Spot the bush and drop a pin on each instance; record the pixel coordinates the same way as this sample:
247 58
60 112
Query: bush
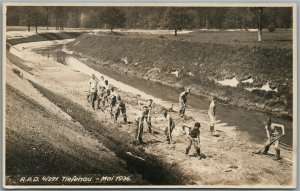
271 28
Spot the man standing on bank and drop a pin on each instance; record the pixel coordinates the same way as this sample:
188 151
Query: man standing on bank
212 115
93 90
182 101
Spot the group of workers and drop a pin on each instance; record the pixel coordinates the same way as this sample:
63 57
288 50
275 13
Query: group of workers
102 95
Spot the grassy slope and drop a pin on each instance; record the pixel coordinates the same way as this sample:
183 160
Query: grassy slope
209 58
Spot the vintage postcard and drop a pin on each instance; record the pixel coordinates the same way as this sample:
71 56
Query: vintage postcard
149 95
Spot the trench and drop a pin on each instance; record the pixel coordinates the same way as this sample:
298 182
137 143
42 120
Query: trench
242 120
151 169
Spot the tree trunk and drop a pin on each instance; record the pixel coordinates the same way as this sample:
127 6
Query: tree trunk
259 23
28 26
111 29
176 29
259 34
47 18
206 20
28 21
36 25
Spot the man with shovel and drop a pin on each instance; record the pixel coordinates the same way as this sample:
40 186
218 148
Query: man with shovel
120 108
170 127
273 138
193 137
182 101
149 105
140 125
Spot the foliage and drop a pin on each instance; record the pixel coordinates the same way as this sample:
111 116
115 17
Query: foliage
113 17
271 28
148 17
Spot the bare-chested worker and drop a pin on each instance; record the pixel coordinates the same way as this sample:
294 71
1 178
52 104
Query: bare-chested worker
149 105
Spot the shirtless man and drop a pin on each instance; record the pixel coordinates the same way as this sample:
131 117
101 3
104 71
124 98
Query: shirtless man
120 108
273 136
149 105
140 124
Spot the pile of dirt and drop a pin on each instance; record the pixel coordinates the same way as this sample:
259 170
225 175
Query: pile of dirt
200 64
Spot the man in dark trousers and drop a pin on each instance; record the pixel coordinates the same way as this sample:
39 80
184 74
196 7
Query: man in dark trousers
120 108
193 137
93 90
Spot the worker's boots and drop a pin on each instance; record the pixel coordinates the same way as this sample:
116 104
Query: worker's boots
277 155
125 119
212 129
266 150
199 153
187 151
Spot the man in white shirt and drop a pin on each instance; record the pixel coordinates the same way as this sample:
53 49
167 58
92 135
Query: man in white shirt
170 127
182 101
93 89
212 114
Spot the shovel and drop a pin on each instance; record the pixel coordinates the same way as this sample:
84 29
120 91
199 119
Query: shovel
270 143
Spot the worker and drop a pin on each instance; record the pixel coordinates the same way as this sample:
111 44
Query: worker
273 135
120 108
93 90
148 104
170 126
182 101
140 124
193 137
212 115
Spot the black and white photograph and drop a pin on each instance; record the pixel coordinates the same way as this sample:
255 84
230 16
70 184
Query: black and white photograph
157 95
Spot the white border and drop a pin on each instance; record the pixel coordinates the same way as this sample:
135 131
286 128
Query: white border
295 130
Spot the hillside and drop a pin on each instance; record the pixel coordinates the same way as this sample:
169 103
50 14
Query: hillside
41 139
202 59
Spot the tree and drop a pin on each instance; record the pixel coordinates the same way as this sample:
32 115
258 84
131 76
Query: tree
113 17
177 18
258 12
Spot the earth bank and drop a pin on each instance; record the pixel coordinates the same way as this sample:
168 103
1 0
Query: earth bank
200 63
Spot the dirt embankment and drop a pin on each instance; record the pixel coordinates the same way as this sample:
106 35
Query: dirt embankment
56 136
200 64
43 37
229 159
